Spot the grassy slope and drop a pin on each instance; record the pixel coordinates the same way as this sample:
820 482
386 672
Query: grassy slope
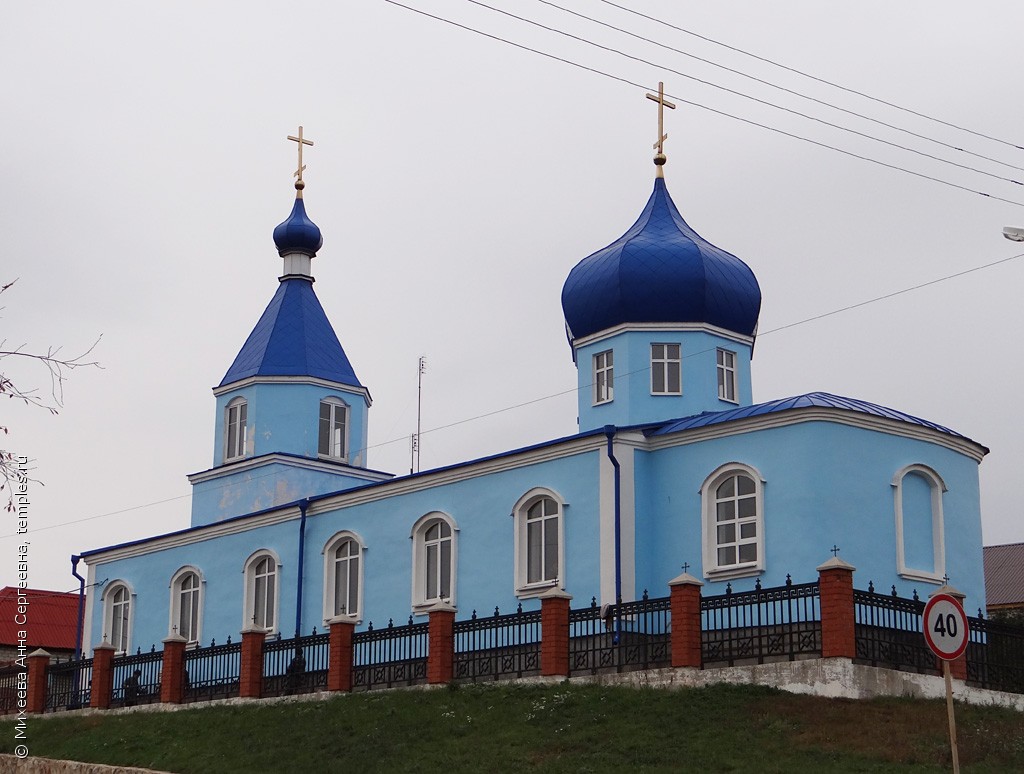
546 729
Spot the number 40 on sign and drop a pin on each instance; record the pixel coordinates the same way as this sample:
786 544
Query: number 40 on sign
945 627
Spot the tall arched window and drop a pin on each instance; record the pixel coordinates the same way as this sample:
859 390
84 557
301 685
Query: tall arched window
117 615
261 590
538 542
333 439
343 576
235 429
186 604
434 560
920 529
732 500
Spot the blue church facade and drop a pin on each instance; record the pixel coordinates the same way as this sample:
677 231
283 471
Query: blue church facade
673 465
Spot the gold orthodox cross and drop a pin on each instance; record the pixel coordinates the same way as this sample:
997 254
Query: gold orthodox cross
662 104
302 141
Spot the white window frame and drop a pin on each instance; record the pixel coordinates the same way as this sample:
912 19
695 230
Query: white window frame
331 567
177 581
667 364
604 376
249 598
709 523
337 406
236 437
524 589
937 487
125 596
725 360
420 602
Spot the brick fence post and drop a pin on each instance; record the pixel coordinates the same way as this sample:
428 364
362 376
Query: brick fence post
441 643
102 676
684 600
339 666
957 667
250 681
554 633
38 661
835 587
172 670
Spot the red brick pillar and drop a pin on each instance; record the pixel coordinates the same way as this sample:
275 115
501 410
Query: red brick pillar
339 666
172 671
102 676
250 681
686 629
441 643
957 667
554 633
835 586
38 661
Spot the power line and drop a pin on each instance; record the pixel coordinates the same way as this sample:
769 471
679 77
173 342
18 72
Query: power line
634 84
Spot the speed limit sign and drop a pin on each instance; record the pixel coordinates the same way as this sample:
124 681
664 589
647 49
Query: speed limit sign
945 627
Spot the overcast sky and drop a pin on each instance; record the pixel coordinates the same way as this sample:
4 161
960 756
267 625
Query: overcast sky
457 180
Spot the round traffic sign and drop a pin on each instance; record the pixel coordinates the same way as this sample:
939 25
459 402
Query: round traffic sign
945 627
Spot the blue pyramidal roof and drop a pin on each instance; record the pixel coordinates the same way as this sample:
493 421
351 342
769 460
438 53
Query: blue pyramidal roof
661 270
293 338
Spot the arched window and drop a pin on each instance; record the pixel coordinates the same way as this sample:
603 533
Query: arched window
732 500
920 530
333 441
343 576
538 542
261 590
117 616
235 429
433 561
186 604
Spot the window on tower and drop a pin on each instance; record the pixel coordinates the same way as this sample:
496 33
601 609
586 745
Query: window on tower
333 429
666 370
604 377
727 376
235 431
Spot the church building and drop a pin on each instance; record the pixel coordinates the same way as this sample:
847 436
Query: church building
673 465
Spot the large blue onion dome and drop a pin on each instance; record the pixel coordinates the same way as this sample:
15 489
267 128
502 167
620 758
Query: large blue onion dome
298 234
660 271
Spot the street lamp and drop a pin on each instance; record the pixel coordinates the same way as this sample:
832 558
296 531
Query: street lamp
1013 234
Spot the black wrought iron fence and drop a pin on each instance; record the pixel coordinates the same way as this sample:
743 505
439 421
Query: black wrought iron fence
619 638
888 631
498 646
213 672
68 685
394 655
9 680
296 665
995 655
781 623
137 678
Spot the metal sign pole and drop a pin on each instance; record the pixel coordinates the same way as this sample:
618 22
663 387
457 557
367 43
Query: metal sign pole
952 717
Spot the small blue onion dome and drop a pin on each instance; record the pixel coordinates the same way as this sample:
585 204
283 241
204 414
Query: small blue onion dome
660 271
298 234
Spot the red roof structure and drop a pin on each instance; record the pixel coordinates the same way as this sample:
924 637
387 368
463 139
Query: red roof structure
1004 576
51 620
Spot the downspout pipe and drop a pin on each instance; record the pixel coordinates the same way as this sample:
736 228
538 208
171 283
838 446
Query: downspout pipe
609 431
303 505
75 559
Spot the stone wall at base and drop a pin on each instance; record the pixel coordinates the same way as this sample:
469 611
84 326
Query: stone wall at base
11 764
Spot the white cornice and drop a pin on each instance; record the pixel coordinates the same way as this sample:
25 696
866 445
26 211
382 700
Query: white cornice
657 327
349 388
296 462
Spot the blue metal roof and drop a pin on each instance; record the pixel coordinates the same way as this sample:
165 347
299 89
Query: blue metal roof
297 233
810 400
293 338
660 270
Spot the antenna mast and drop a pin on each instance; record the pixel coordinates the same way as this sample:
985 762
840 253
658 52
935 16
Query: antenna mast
414 462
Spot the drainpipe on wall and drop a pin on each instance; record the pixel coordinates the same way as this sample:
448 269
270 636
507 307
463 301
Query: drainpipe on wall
303 505
75 559
609 431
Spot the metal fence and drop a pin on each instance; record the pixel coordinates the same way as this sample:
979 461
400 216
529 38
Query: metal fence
619 638
137 678
995 655
888 632
68 685
781 623
297 665
9 687
394 655
499 646
213 672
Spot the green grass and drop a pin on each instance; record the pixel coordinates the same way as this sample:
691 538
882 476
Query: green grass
552 728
